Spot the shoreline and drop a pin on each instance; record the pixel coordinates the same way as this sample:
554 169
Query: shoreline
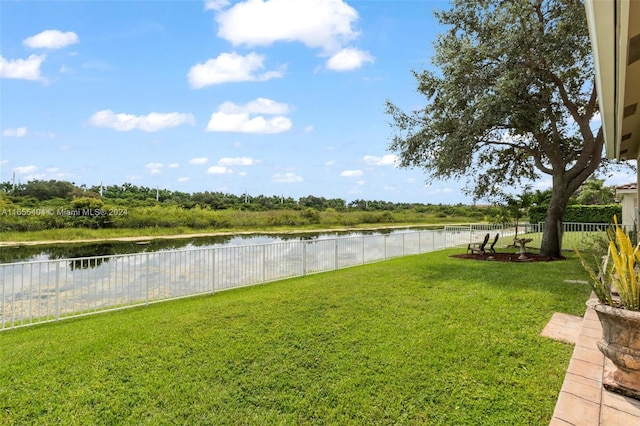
146 238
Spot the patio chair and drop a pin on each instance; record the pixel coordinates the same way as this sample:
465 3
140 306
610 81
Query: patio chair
491 247
478 247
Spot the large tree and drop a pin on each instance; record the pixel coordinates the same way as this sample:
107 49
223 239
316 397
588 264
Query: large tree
512 97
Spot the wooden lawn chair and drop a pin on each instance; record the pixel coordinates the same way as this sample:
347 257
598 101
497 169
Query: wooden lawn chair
495 240
478 247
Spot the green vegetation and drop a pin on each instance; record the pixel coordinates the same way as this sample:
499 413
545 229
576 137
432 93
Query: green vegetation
41 210
577 213
419 340
618 272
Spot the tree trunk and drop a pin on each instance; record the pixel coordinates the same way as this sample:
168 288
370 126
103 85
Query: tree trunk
552 234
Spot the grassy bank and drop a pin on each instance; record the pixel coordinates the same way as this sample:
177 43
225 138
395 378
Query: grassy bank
419 340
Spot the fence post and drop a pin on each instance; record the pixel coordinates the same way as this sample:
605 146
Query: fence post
147 280
385 247
304 258
4 283
213 266
335 254
264 263
57 291
403 241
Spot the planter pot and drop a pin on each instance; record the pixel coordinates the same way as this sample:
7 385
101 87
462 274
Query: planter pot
621 344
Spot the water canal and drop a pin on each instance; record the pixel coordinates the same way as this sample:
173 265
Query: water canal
31 253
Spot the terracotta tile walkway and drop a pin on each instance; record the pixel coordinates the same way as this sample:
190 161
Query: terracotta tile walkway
582 400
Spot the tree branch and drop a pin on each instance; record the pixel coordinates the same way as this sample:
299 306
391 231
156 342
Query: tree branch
591 105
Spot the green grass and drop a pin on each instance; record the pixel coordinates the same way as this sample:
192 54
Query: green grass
419 340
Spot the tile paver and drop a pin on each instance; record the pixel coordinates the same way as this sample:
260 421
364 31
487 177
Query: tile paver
582 400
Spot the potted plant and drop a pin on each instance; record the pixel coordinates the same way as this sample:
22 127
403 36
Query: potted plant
617 288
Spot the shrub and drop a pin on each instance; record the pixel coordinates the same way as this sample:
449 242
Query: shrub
579 213
311 215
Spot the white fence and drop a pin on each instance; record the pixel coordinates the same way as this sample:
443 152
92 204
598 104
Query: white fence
574 235
36 292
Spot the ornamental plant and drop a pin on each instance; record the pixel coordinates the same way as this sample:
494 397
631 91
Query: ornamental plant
619 271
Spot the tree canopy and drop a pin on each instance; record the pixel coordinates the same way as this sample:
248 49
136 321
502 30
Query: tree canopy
512 98
593 191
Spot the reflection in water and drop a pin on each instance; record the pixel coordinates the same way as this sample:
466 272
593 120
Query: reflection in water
95 250
87 263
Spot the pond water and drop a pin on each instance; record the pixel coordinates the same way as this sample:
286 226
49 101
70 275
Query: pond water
24 253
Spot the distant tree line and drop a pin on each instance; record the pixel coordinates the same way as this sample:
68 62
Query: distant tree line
40 205
37 191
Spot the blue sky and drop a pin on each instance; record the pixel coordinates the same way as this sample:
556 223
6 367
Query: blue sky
278 97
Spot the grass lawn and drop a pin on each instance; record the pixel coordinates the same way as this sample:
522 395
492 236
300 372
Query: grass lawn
418 340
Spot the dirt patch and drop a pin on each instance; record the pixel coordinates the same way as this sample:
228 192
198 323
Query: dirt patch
508 257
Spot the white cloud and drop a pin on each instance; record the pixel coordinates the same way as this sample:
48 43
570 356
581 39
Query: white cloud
98 65
437 191
219 170
26 69
351 173
15 133
25 169
545 183
4 162
184 179
239 161
154 168
330 163
230 67
386 160
45 134
308 129
221 122
173 165
348 59
237 118
324 24
51 39
33 172
199 160
286 178
215 4
149 123
360 183
257 106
